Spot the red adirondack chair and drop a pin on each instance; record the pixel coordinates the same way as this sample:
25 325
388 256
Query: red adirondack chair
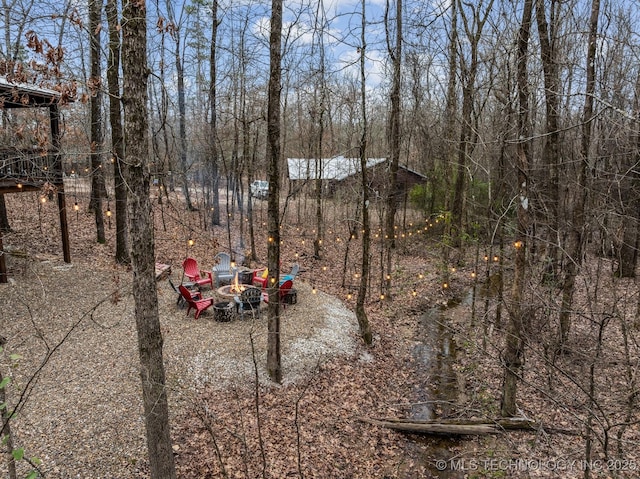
195 301
192 271
283 288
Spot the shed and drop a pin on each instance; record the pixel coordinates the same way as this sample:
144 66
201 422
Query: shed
30 169
338 170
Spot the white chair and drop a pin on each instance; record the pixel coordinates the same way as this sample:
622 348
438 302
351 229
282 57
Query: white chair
222 269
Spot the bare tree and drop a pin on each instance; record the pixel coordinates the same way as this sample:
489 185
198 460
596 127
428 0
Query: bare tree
98 189
395 53
575 228
474 18
117 139
551 155
274 361
361 314
152 375
214 167
514 344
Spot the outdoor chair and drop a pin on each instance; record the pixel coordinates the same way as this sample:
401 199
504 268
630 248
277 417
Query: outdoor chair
222 270
292 275
284 286
249 300
259 278
195 301
192 271
180 301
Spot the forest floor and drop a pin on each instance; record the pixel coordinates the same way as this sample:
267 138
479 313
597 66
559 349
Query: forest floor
82 412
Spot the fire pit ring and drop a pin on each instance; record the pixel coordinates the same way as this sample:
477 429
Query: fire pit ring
223 311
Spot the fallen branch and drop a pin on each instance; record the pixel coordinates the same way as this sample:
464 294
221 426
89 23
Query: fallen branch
461 427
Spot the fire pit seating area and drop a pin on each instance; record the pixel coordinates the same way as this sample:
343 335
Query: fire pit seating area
242 295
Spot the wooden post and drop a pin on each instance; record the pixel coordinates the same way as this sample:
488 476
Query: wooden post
3 263
54 120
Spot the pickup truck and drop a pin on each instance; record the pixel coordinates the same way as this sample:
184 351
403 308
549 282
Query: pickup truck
260 189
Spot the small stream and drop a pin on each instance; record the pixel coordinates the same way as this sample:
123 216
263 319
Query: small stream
438 391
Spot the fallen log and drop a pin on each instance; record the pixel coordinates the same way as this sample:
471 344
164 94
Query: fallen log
457 427
461 427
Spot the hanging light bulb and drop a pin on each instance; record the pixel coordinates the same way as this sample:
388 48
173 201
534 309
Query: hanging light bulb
190 242
76 207
313 289
108 212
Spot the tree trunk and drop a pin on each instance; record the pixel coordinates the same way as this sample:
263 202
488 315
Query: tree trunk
630 204
551 149
395 54
117 140
4 217
468 130
514 343
98 189
361 314
274 362
575 233
182 127
152 375
214 169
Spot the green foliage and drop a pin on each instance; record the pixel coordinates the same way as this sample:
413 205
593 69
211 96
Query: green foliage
4 382
428 197
18 454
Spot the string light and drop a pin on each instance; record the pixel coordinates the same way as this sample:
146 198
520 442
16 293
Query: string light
382 297
313 289
420 276
486 258
517 244
349 296
19 185
108 212
43 199
495 258
388 277
453 270
445 285
76 207
414 293
473 274
190 242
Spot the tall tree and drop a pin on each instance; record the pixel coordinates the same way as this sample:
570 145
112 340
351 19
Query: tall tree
551 155
98 189
152 375
514 343
361 314
474 18
214 167
395 53
629 199
274 362
117 140
175 30
575 233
